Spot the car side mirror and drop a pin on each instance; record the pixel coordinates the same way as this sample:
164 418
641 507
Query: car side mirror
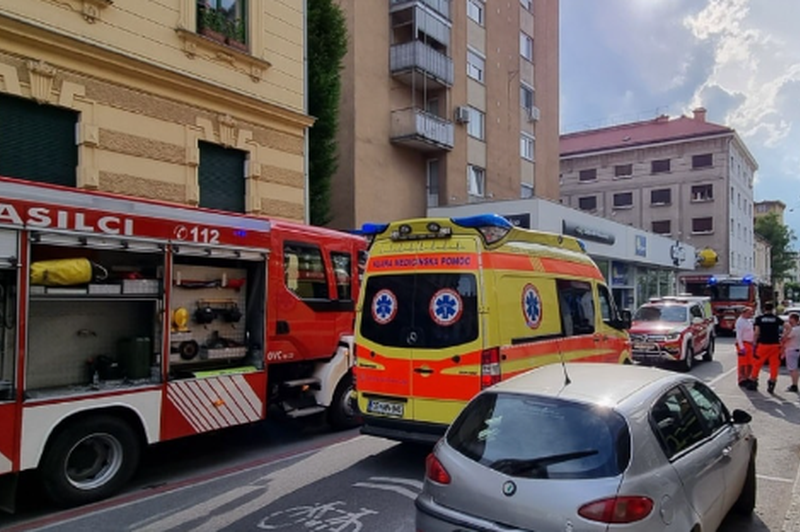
624 321
740 417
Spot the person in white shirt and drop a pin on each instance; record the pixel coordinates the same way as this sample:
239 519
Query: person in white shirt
744 346
791 348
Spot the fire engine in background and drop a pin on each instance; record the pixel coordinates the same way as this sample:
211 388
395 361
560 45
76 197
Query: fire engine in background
127 322
729 295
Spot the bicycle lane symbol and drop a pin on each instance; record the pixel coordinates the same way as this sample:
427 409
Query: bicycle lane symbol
319 517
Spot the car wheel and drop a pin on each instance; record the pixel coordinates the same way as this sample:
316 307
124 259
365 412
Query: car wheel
89 460
343 412
688 360
708 356
746 502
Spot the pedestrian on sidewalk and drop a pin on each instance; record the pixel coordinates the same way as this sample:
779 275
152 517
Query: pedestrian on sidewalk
791 348
767 338
744 346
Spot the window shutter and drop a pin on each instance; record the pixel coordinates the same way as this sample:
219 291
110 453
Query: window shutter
37 141
221 178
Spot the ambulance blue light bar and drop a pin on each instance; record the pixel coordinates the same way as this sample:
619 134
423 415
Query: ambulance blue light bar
372 229
492 227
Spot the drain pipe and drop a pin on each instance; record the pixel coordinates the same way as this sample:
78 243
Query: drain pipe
306 178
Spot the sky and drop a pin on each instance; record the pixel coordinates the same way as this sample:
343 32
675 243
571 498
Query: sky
628 60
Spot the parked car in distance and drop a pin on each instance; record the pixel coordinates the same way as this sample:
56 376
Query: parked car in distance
591 447
788 311
673 330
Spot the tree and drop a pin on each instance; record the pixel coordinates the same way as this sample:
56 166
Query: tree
327 46
780 237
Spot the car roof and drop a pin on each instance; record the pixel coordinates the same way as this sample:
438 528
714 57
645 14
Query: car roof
590 382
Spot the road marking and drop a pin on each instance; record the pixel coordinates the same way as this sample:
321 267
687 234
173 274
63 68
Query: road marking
388 487
718 378
776 479
397 480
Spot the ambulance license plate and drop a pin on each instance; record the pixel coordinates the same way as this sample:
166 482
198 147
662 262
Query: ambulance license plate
385 408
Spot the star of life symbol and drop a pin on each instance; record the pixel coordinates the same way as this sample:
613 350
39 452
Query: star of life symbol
531 306
446 307
384 307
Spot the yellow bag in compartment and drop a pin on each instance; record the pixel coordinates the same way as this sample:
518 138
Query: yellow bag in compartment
61 272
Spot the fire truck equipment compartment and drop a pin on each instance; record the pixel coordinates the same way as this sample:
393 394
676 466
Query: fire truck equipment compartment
66 272
134 356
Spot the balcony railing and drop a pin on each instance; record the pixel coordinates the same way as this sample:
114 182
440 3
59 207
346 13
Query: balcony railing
418 56
440 6
421 130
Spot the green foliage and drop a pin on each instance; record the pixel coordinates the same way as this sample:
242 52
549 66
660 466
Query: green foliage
791 291
216 20
327 46
780 237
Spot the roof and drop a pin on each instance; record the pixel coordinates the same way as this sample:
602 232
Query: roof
657 130
591 382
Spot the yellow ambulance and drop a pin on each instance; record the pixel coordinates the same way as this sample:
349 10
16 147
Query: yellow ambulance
451 306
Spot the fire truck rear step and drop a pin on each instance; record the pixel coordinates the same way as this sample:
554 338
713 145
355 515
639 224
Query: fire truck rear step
312 382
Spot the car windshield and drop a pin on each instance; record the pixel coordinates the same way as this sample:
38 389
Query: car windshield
539 437
421 310
671 314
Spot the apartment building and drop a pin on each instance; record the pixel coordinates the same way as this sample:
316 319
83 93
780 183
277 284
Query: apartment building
446 103
684 178
200 103
763 208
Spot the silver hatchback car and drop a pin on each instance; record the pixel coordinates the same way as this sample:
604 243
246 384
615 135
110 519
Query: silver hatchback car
590 447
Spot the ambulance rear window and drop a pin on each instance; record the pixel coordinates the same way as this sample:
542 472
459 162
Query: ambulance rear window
423 311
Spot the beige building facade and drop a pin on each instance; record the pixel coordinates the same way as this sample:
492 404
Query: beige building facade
684 178
763 208
172 100
445 103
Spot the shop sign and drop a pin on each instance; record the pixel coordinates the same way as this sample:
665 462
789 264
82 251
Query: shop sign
587 233
641 246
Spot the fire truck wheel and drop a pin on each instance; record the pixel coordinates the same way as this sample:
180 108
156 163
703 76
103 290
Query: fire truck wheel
89 460
708 356
688 360
343 412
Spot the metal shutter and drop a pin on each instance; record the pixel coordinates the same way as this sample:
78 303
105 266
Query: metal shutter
221 178
37 142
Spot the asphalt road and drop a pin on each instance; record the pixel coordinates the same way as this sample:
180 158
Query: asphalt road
275 476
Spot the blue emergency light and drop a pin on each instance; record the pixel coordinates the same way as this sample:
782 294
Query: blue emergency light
371 229
483 220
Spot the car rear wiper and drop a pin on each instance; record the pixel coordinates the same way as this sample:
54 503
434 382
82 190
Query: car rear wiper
513 466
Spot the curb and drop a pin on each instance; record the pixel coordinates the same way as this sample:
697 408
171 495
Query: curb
791 522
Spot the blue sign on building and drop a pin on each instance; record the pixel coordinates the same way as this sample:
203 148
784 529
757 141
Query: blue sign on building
641 245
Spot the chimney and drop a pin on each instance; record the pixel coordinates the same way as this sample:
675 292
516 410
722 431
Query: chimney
700 114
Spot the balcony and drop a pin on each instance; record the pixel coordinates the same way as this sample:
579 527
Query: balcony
441 7
421 131
414 61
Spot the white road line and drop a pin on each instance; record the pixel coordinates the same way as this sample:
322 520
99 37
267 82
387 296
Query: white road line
776 479
398 480
388 487
718 378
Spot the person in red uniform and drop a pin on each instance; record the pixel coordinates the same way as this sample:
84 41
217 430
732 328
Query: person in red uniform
744 346
767 334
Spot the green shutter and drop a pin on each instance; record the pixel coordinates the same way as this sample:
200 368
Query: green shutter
221 177
37 141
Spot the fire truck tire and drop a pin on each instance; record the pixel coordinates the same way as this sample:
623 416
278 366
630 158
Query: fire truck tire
343 412
89 460
688 360
708 355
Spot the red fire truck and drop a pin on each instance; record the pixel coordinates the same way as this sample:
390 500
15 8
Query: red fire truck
729 295
127 322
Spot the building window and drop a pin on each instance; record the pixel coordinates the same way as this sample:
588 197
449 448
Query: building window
433 182
37 142
703 225
733 194
475 66
662 227
662 196
703 161
588 175
475 126
703 193
623 200
224 21
623 170
476 180
526 191
660 166
526 46
221 178
527 97
587 203
527 4
527 145
475 10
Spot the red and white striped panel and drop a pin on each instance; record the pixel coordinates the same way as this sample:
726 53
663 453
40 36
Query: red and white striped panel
5 464
215 402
